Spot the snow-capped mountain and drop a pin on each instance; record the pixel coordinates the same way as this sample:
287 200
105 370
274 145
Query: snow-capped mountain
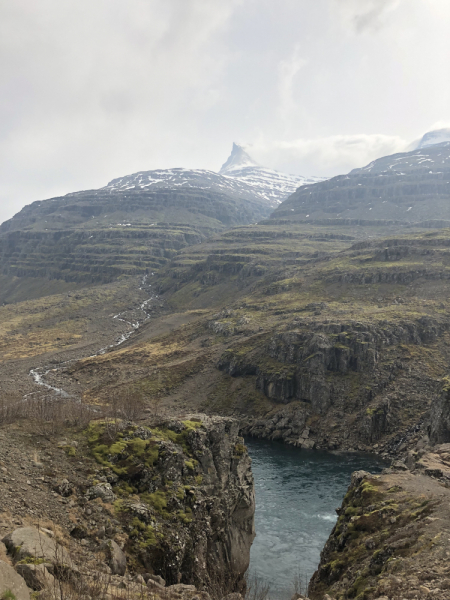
431 138
275 185
434 159
184 178
240 176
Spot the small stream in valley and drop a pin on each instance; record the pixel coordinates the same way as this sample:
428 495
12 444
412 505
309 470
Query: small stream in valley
297 492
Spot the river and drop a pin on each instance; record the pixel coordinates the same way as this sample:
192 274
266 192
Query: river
297 492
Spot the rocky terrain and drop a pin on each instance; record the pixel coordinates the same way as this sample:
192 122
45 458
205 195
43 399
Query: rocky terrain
391 538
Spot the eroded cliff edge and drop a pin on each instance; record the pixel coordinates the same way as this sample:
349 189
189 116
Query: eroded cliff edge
173 499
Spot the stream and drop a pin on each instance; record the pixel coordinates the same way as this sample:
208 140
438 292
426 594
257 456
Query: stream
297 492
39 373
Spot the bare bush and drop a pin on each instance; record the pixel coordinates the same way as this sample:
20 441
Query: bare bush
300 583
256 588
50 414
126 404
46 412
9 408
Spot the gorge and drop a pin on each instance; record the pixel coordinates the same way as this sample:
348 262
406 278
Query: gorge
297 492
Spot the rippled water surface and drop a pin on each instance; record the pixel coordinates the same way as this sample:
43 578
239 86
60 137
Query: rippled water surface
297 492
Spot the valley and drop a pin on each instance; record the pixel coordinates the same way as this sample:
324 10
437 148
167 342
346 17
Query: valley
218 316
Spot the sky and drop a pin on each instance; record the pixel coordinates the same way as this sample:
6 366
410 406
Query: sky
91 90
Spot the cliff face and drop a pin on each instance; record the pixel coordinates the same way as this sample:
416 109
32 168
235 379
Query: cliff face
343 380
185 493
439 426
115 509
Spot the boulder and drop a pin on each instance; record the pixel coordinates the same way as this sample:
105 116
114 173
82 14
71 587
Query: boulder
181 587
64 488
29 542
10 580
36 576
156 578
116 559
307 444
79 533
399 465
101 490
357 477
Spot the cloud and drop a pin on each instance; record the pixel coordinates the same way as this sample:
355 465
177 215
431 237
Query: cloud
439 125
287 73
365 15
91 90
325 156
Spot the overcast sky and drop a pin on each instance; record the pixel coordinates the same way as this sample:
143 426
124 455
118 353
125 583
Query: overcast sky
94 89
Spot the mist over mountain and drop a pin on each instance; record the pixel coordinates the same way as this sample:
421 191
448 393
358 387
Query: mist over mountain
431 138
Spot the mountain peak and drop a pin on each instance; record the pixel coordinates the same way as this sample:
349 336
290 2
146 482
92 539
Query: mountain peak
238 159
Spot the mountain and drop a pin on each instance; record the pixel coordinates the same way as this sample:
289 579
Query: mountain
406 188
134 224
271 185
437 136
98 235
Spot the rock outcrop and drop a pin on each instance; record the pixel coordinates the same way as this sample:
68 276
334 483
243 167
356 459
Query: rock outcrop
296 364
388 541
440 417
186 497
325 373
31 543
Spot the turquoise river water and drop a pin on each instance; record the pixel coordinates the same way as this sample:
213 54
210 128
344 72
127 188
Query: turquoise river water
297 492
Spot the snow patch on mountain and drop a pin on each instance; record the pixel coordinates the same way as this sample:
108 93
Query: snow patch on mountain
434 158
278 186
